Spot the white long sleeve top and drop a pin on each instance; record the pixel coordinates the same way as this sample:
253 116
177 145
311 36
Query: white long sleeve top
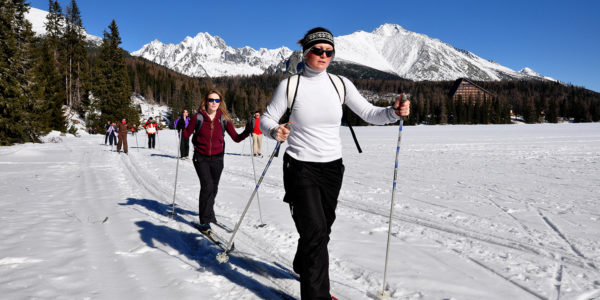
316 113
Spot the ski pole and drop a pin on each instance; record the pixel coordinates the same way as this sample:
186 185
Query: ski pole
262 224
176 172
136 143
222 257
384 294
243 147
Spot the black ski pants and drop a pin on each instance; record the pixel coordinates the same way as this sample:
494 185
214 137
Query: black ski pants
151 141
209 169
184 148
312 189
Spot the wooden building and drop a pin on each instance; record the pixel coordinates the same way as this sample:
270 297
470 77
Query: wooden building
467 90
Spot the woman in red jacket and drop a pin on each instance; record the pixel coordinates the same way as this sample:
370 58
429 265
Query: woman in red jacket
209 146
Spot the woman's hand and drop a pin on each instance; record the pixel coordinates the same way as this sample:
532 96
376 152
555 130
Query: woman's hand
402 108
282 132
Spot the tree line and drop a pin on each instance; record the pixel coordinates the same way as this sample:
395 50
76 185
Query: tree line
42 77
530 100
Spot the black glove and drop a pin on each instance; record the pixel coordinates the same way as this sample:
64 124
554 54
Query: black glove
249 126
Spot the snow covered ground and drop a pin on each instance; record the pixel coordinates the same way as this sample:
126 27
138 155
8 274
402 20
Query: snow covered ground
483 212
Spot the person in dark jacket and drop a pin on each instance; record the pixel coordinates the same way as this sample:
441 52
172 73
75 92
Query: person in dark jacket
106 128
180 124
209 146
123 129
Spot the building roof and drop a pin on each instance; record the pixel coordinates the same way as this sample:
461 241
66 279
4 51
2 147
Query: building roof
459 81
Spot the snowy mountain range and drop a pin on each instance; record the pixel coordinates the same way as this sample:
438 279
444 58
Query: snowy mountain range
207 55
389 48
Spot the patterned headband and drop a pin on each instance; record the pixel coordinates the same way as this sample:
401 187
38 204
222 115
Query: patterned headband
319 36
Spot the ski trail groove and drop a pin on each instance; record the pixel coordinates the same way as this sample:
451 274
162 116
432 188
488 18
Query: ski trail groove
576 261
564 238
522 287
158 190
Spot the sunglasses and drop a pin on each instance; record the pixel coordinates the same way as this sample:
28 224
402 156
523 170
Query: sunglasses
214 100
319 52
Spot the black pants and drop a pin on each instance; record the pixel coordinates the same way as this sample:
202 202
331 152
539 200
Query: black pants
184 147
151 140
106 137
209 169
312 189
112 138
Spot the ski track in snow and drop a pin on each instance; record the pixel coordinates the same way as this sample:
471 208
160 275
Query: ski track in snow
481 215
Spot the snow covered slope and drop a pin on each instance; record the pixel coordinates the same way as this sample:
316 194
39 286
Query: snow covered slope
489 212
37 18
418 57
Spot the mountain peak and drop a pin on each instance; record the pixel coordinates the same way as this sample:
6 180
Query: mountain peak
389 30
528 71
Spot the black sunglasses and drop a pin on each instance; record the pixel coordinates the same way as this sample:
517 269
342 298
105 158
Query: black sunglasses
319 52
214 100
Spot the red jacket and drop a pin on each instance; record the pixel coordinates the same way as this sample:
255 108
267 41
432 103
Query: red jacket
151 127
210 139
257 126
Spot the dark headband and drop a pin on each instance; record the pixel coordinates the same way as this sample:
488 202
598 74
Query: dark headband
316 38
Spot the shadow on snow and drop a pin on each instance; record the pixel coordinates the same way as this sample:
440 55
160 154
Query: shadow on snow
197 248
163 155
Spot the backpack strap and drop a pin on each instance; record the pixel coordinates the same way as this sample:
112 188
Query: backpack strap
340 88
200 119
223 124
292 90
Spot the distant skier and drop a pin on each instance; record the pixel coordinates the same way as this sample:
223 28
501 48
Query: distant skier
209 146
257 136
312 164
111 133
151 130
106 127
182 123
123 129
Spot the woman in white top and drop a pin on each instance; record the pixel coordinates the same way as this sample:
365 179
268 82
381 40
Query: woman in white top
313 168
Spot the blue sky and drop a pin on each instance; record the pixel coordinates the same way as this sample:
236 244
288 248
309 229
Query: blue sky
560 39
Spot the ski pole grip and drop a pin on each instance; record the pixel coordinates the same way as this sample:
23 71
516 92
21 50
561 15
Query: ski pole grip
405 97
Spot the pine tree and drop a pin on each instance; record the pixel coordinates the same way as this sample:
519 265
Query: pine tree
75 58
54 27
111 81
15 38
48 92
